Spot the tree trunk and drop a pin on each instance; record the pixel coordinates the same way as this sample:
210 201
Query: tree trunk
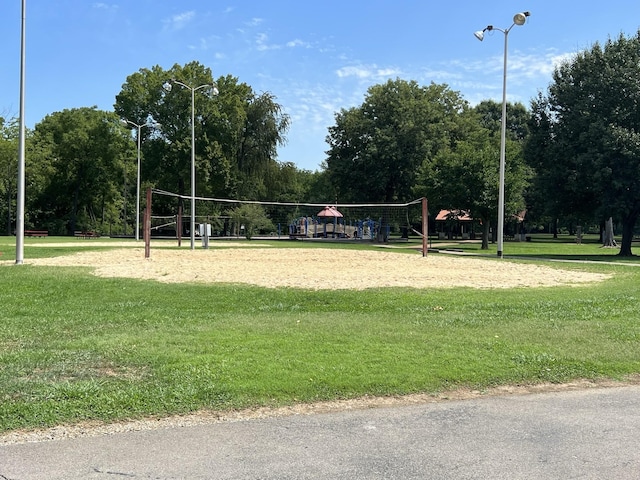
601 233
9 197
608 240
74 212
485 234
628 225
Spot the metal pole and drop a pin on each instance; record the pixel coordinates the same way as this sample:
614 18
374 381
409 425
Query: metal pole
147 226
21 150
138 189
503 133
425 227
193 168
193 154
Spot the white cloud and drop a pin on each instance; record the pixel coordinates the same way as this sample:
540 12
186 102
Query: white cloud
105 6
297 43
367 72
519 64
354 71
254 22
180 20
262 42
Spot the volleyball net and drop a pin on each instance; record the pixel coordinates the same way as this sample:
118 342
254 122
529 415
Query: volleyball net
170 216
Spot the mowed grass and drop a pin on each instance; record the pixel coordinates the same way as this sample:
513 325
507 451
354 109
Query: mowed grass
75 347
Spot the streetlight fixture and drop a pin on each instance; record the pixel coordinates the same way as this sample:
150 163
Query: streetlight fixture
518 19
139 127
214 91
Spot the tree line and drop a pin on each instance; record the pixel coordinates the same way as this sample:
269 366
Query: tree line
573 157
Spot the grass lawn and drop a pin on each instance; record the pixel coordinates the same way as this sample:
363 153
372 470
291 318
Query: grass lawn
76 347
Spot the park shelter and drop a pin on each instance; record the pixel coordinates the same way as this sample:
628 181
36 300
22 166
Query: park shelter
454 223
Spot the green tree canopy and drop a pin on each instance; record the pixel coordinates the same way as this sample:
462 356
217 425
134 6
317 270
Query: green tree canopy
237 131
466 174
8 171
377 149
82 150
587 135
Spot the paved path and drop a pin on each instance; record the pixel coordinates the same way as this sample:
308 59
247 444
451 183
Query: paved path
586 434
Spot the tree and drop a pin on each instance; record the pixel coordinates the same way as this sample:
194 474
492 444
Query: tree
262 132
250 219
237 131
589 126
8 170
517 121
608 240
84 151
465 175
377 149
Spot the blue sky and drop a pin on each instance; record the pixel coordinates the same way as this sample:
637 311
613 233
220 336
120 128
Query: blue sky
315 57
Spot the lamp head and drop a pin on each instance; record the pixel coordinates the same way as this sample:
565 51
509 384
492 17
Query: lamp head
480 33
215 91
167 86
520 18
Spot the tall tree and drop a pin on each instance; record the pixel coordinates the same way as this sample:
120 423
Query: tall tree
466 175
591 122
517 121
85 148
8 170
376 150
237 131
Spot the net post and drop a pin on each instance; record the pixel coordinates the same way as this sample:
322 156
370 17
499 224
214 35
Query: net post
425 227
147 226
179 226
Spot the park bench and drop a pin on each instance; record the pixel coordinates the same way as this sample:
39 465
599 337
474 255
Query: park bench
86 234
36 233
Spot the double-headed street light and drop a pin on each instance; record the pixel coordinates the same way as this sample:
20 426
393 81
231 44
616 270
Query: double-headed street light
139 127
518 19
214 91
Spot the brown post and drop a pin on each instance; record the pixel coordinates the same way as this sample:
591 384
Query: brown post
179 225
425 227
147 226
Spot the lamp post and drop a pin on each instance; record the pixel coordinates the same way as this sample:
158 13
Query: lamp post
518 19
167 87
21 151
139 127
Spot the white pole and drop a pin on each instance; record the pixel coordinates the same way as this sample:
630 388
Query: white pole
193 168
518 19
21 151
193 152
138 189
503 136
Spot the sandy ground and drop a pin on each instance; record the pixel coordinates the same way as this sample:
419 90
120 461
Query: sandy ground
317 268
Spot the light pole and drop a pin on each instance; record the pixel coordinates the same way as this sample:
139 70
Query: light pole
518 19
21 151
139 127
167 87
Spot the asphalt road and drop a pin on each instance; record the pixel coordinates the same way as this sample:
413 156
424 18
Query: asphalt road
585 434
